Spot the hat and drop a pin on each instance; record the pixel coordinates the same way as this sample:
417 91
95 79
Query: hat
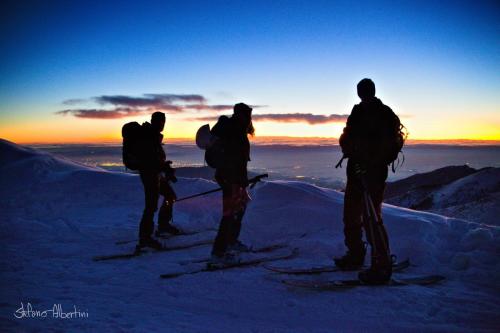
158 116
242 108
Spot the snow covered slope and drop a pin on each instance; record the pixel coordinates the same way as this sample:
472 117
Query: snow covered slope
427 181
56 215
461 192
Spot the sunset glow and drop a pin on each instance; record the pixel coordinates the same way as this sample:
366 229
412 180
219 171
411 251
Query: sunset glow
63 81
69 130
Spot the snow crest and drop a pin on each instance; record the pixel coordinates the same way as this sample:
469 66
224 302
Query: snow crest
57 214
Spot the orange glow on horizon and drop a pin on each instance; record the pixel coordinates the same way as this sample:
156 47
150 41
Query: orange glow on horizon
68 130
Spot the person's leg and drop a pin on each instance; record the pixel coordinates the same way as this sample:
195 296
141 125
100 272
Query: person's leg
165 215
150 183
236 225
235 229
166 210
353 210
380 270
224 233
353 227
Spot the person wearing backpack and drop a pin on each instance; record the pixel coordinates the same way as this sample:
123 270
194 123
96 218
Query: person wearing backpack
143 151
371 140
233 155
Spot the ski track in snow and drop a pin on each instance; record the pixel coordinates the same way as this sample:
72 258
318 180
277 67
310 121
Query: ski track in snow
56 215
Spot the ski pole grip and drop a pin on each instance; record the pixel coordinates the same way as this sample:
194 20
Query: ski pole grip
339 164
257 179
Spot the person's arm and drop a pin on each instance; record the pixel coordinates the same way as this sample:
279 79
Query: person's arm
148 157
241 174
220 129
346 141
237 151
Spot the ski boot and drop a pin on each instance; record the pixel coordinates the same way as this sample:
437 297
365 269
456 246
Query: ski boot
167 229
221 259
352 260
238 247
380 272
149 242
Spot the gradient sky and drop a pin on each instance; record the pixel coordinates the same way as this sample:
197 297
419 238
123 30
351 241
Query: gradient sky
437 64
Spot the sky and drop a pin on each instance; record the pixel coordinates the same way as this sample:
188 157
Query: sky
76 71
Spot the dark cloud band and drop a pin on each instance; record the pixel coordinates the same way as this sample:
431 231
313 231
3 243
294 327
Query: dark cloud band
151 100
101 113
309 118
122 106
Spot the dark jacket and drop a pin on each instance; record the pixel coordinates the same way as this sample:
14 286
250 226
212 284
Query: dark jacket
152 154
369 133
237 152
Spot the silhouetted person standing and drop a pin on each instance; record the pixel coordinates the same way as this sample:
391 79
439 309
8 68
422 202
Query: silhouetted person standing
233 178
367 142
155 172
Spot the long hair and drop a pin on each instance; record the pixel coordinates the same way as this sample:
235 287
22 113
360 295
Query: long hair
245 126
250 128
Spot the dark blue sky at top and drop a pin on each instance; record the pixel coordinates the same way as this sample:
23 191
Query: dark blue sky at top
55 50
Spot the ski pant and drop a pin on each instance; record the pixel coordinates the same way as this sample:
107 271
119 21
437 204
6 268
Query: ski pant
152 182
355 215
230 224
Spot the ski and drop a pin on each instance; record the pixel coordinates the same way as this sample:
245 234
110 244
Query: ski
167 236
423 280
248 259
137 253
252 250
325 269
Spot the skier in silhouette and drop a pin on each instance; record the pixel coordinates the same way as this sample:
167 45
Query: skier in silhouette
155 172
368 141
233 178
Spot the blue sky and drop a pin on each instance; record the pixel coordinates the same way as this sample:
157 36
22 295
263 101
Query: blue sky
293 57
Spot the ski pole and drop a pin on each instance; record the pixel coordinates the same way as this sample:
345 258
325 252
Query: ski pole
199 194
373 218
379 227
251 181
370 222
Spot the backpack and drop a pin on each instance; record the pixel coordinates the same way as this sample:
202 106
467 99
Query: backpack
133 137
396 144
214 147
387 152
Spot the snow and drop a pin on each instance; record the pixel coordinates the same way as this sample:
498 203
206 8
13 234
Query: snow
472 195
56 215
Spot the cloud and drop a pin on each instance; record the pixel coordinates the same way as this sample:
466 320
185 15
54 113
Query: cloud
121 106
205 107
220 107
102 113
74 101
312 119
149 100
309 118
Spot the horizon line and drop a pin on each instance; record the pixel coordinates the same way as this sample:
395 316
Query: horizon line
277 140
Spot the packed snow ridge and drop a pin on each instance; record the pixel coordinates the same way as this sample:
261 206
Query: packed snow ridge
458 191
57 215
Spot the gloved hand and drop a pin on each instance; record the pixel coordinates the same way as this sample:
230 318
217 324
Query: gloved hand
169 172
238 200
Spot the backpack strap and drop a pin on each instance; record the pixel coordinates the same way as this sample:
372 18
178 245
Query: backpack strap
339 164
